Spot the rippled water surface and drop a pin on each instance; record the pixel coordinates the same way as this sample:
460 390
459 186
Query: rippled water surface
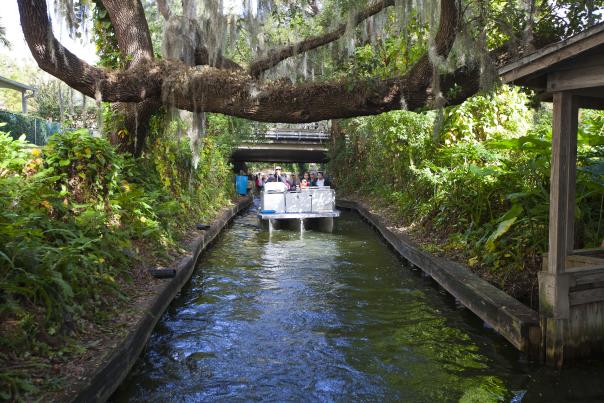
329 317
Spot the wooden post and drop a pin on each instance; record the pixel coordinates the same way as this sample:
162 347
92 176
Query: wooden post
563 181
554 284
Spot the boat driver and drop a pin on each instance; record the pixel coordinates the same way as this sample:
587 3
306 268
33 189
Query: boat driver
279 177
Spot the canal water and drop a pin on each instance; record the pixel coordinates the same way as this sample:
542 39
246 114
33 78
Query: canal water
310 316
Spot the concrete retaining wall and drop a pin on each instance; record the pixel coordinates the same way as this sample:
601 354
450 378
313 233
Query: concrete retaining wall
109 376
513 320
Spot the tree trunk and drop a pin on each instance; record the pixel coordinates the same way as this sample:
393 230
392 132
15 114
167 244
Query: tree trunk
136 46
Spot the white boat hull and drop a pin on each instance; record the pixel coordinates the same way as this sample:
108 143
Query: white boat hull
304 209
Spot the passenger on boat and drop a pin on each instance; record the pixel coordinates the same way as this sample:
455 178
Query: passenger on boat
260 180
306 176
294 181
322 180
303 183
279 177
313 179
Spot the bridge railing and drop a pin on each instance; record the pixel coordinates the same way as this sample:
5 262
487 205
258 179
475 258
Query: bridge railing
302 136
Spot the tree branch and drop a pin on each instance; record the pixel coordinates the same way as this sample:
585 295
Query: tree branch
164 10
275 56
234 92
131 29
202 58
55 59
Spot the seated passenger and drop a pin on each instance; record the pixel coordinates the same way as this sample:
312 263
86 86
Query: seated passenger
303 184
313 179
259 182
322 180
294 181
306 176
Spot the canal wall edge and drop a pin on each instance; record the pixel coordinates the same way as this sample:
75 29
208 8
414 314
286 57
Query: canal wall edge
509 317
110 375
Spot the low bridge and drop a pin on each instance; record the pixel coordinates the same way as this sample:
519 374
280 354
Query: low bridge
284 145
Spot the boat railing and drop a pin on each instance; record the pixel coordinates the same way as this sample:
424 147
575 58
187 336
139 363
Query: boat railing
316 199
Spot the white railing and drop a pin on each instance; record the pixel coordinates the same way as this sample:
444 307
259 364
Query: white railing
299 135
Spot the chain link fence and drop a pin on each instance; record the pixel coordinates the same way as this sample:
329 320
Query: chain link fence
36 130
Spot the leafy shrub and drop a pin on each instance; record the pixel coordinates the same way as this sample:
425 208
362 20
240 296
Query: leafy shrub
68 215
58 259
481 190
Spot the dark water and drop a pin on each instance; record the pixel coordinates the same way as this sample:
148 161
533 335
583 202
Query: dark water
330 317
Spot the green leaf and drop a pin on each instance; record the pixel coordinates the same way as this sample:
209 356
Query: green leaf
502 228
64 163
514 212
65 287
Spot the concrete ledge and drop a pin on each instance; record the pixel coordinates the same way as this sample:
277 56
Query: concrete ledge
513 320
109 376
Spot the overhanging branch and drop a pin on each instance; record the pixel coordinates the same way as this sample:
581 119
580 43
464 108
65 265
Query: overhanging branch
234 92
55 59
275 56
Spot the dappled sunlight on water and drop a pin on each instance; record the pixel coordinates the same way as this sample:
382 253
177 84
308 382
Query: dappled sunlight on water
314 316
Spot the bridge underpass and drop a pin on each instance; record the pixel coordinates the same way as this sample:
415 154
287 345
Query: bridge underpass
260 152
284 145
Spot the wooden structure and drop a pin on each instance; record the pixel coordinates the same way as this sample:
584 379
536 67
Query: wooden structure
571 285
26 90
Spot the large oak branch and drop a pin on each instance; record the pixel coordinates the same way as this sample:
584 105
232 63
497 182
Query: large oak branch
275 56
95 82
235 92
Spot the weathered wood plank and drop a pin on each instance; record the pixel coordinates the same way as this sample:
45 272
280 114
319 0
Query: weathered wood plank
587 275
586 296
583 261
590 98
577 78
589 252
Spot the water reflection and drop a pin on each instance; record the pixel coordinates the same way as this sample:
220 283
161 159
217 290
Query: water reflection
327 317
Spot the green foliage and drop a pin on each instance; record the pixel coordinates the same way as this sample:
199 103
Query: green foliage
69 214
59 260
488 116
105 39
483 190
87 167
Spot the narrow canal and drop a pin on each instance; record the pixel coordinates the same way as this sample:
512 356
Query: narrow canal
328 317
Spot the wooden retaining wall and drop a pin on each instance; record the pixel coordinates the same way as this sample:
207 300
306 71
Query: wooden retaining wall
109 376
513 320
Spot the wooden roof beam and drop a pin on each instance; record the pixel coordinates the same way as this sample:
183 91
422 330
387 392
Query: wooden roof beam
578 78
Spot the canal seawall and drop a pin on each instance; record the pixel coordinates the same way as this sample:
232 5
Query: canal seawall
100 386
513 320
